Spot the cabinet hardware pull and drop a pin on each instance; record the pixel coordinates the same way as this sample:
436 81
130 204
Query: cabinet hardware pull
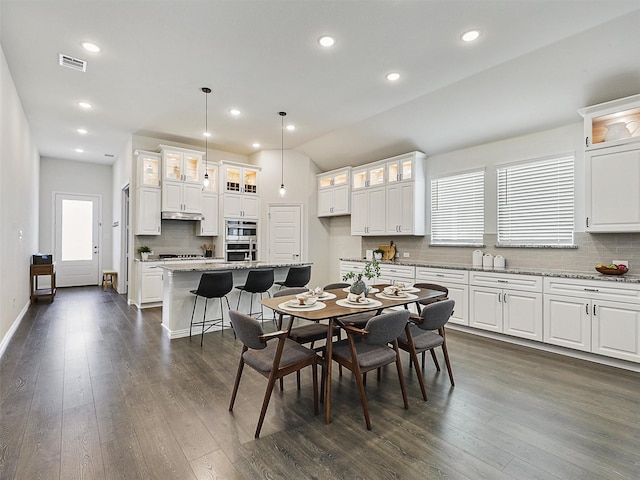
499 298
594 309
586 141
504 297
586 308
587 221
502 281
439 274
591 290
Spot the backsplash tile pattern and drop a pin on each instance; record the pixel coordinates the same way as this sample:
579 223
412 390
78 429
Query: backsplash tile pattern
592 249
178 236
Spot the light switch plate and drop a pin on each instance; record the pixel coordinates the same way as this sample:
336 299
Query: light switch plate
405 254
621 262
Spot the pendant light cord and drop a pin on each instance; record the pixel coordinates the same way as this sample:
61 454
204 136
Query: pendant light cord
282 115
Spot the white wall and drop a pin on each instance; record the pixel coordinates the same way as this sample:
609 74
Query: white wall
19 175
69 176
121 178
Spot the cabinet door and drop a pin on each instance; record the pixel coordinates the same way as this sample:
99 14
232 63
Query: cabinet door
151 288
250 181
485 308
250 207
522 314
359 212
148 169
341 199
191 196
567 322
325 202
209 226
148 215
377 214
172 196
191 167
613 196
232 205
400 209
232 179
172 166
615 330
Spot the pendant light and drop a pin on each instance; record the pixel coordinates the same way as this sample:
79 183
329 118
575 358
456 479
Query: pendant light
282 190
206 91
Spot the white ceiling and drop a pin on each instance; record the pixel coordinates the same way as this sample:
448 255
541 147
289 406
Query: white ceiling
535 64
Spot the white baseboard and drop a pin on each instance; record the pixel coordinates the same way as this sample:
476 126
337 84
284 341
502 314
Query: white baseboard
12 330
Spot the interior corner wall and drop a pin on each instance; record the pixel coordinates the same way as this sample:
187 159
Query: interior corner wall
122 173
19 174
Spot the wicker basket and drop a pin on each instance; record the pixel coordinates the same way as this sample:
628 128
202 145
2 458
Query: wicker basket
611 271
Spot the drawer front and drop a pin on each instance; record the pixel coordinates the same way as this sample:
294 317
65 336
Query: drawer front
594 289
439 275
150 266
526 283
400 271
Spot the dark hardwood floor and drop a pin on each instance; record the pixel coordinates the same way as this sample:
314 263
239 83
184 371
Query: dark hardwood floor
92 389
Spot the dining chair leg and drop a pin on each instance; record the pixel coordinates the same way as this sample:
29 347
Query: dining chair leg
364 379
363 398
413 355
435 359
445 352
403 386
314 372
236 383
424 354
265 402
298 379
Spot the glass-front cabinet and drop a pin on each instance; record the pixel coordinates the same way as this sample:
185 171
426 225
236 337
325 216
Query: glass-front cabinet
371 175
334 192
239 179
400 169
181 165
612 123
148 168
212 170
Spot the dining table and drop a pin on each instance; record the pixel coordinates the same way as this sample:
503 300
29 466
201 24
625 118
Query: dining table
334 306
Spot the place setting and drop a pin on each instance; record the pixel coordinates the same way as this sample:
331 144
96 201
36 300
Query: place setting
303 302
397 292
355 300
371 289
320 294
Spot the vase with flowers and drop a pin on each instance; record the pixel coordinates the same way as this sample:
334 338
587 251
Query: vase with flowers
144 252
371 270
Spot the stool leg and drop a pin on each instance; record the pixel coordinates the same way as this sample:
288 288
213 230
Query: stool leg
221 315
104 282
195 301
204 319
229 308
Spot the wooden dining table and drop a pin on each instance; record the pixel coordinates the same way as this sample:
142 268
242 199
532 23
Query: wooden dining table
336 310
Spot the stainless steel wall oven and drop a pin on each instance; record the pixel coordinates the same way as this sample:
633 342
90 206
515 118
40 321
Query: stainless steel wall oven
241 240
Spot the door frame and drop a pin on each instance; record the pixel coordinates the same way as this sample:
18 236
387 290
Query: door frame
54 233
303 250
125 241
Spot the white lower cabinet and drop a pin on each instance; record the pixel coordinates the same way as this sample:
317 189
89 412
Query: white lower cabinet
506 303
457 282
396 273
593 316
149 284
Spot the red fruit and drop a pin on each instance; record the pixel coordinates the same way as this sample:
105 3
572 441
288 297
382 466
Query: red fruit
622 267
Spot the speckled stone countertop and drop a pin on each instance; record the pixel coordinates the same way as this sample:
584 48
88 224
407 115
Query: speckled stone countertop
210 266
627 278
182 259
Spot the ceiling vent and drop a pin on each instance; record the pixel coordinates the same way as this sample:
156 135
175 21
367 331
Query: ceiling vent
74 63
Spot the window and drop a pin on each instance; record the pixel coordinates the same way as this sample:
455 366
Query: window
535 202
457 209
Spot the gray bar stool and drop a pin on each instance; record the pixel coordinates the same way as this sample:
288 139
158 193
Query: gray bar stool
212 285
259 280
296 277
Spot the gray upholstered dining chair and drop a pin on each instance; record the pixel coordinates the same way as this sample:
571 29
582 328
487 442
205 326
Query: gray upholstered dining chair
426 332
371 348
272 355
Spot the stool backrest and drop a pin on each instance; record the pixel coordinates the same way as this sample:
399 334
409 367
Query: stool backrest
289 291
259 280
215 284
298 276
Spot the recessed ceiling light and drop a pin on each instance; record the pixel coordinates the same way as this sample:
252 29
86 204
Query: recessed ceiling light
81 131
392 77
291 127
470 36
256 145
326 41
84 105
206 134
90 47
79 150
235 112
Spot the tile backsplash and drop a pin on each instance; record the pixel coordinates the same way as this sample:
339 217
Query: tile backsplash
178 236
591 250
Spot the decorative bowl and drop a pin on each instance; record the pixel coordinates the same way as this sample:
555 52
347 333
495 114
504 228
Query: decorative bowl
611 271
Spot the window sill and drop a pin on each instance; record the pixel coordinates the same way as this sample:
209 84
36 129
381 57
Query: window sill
465 245
559 247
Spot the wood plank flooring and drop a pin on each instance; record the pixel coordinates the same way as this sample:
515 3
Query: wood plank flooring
90 388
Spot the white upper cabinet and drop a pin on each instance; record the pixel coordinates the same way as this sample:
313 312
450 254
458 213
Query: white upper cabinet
612 166
181 165
148 217
334 192
239 186
212 170
368 176
147 168
404 168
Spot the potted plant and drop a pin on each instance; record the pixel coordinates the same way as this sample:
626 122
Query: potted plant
377 254
371 269
144 252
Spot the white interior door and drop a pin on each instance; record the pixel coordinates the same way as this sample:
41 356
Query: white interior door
285 233
77 248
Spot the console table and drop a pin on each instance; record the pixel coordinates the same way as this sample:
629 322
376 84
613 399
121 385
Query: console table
43 270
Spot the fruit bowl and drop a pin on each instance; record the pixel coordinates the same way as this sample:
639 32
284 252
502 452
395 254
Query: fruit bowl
611 271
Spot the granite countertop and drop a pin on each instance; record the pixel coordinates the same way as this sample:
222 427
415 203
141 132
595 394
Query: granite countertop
628 278
209 266
182 259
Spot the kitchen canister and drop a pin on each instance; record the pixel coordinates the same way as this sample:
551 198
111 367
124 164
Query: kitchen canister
499 262
477 258
487 260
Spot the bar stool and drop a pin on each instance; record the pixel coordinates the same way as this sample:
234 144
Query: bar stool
296 277
109 277
259 280
212 285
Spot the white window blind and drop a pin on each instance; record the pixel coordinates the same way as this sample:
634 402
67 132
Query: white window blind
457 209
536 202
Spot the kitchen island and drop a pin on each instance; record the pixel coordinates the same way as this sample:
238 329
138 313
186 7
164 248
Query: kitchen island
179 279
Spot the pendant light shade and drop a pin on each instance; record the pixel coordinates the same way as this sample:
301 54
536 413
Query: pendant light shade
282 189
206 91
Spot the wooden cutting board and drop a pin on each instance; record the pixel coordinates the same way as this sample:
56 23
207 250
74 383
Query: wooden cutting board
389 251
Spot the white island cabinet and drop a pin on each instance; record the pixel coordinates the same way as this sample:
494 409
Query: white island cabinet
594 316
149 284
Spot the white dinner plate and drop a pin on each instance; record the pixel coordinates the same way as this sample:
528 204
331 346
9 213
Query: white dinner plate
297 307
406 296
370 304
371 290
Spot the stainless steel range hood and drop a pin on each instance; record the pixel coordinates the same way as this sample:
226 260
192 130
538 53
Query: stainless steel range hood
181 216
